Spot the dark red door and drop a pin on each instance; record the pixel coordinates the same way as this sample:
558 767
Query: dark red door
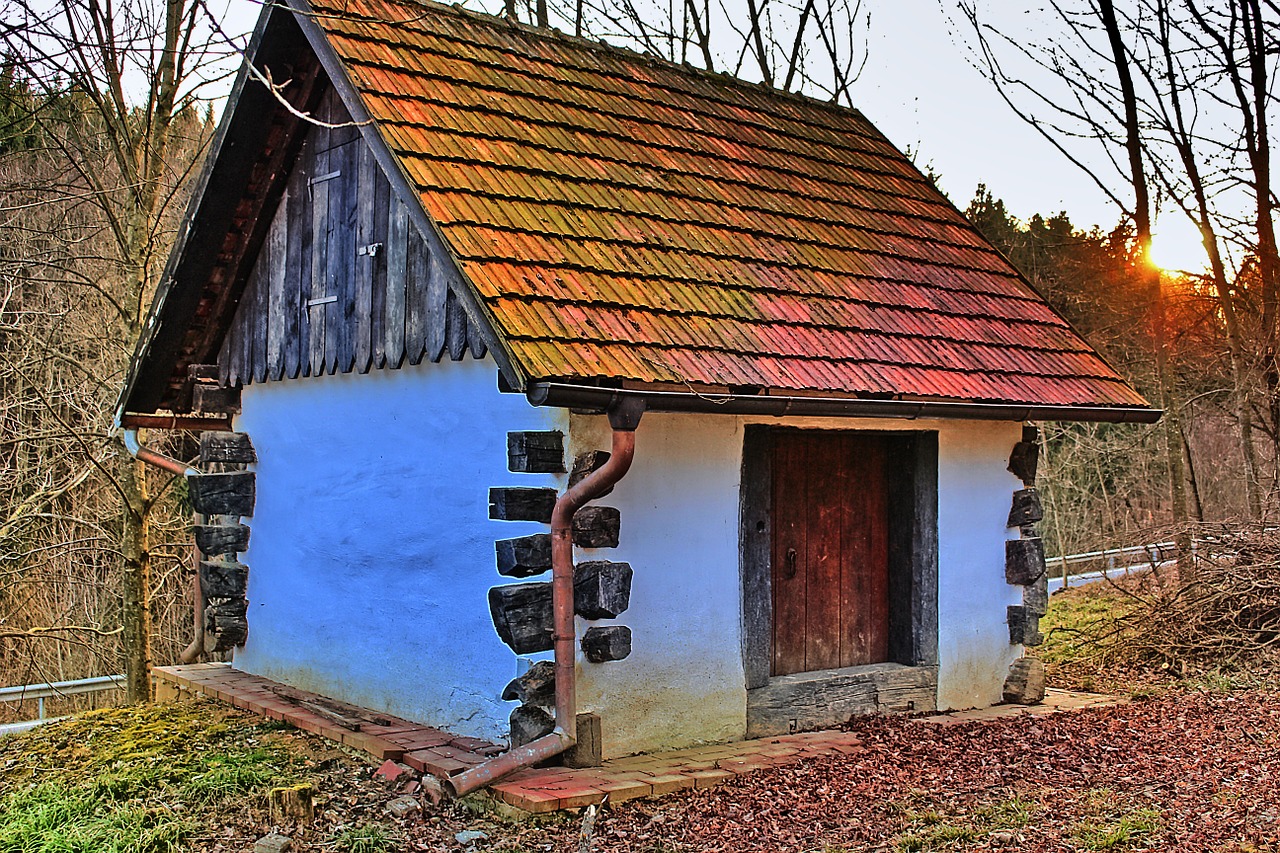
830 558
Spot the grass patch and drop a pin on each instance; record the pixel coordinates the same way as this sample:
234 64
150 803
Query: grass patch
932 830
1081 629
130 780
370 838
1118 832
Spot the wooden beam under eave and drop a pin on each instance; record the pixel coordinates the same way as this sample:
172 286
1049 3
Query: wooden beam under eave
186 423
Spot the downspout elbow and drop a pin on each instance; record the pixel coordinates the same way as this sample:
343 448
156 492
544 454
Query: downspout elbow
151 457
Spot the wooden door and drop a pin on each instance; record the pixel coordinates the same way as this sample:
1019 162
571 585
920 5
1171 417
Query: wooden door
830 550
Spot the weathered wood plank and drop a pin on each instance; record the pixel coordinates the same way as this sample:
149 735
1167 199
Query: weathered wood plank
475 340
601 589
397 282
437 307
223 579
1025 458
606 643
226 447
822 699
381 215
277 249
521 504
224 360
229 493
597 527
1024 626
1035 595
522 615
455 328
297 330
1023 560
524 556
367 257
320 234
215 399
588 750
226 625
416 312
753 543
791 467
214 540
340 315
261 316
823 508
235 353
865 520
1026 508
244 319
538 452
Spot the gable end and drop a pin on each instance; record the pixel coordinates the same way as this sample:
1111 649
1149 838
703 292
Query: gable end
344 280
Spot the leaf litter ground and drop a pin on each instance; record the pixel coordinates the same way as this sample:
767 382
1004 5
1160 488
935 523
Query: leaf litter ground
1190 771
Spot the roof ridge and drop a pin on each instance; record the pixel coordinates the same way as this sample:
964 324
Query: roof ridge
554 33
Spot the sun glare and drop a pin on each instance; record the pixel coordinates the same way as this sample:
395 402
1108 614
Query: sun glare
1176 247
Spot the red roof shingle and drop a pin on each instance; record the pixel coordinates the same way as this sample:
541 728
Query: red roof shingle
627 218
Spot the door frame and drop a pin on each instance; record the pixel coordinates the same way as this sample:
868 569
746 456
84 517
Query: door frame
777 704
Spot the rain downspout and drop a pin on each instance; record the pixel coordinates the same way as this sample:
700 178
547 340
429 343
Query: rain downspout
624 417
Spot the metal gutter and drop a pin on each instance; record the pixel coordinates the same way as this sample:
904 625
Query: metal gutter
543 393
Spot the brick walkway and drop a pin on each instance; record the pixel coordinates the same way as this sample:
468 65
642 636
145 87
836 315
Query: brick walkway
546 789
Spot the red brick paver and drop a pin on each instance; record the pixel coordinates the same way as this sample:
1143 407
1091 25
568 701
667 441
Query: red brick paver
547 789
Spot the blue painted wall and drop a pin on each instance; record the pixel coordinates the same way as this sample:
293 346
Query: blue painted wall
372 552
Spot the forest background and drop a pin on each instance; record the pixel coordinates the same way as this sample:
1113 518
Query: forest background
106 112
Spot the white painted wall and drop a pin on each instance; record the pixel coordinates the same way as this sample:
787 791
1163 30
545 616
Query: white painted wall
371 552
975 493
684 682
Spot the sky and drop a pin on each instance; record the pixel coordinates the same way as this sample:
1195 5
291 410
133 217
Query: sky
921 90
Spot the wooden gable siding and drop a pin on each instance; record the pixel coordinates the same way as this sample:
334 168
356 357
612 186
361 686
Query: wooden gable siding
343 281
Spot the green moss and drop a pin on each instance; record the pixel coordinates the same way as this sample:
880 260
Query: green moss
1118 831
130 780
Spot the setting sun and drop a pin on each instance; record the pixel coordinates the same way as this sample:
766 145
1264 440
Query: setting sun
1176 246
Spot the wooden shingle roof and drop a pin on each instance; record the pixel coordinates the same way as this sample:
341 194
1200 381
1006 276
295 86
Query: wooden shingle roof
615 220
630 219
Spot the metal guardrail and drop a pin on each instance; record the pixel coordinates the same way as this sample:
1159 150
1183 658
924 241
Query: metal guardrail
1110 560
41 692
1156 553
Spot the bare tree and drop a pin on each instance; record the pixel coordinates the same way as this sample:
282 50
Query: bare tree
1149 99
109 97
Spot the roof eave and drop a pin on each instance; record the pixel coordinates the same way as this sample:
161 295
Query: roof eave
202 227
567 395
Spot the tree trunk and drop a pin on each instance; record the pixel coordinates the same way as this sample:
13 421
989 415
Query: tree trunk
135 545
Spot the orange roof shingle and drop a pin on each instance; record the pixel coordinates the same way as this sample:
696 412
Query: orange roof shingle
627 218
